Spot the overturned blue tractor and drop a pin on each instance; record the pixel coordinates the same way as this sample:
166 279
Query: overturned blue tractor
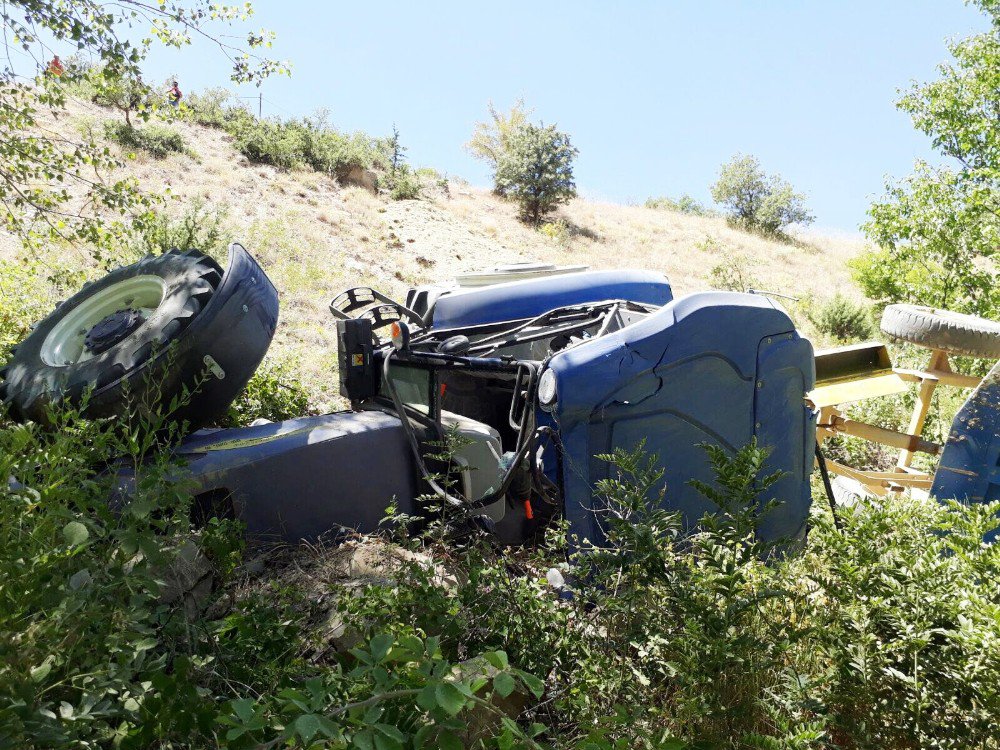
528 380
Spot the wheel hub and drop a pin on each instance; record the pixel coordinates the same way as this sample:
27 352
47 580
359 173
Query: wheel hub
112 329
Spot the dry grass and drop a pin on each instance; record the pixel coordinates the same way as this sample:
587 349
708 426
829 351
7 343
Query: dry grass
314 237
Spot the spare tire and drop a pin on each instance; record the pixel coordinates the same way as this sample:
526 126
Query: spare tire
951 332
171 332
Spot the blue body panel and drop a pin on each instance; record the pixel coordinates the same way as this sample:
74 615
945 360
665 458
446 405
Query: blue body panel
969 470
526 299
716 367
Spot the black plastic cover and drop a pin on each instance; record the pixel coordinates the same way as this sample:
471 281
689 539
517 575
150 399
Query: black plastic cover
359 377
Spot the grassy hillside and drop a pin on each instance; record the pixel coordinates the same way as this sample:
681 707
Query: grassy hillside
315 237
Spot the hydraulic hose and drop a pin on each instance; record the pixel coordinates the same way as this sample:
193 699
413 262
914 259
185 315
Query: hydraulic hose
825 473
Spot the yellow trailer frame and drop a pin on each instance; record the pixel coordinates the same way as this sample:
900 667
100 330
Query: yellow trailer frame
852 373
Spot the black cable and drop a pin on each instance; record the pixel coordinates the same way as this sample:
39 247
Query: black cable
824 472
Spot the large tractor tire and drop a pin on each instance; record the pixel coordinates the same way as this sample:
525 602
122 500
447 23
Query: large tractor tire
955 333
172 334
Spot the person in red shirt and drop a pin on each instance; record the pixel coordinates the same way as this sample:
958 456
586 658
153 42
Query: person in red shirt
56 67
174 95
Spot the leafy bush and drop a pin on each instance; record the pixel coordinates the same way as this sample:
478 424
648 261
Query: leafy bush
212 108
757 201
843 318
558 231
126 93
275 392
685 204
195 227
103 644
735 273
879 635
308 142
271 142
882 634
536 170
156 140
404 184
709 244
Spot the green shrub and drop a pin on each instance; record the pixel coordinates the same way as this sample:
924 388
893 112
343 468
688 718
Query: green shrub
275 392
404 184
194 227
126 93
735 273
312 143
685 204
101 648
757 201
557 231
212 108
709 244
882 634
844 319
879 635
270 142
156 140
335 153
536 170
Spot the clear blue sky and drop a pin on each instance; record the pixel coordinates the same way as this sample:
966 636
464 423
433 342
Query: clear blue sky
656 95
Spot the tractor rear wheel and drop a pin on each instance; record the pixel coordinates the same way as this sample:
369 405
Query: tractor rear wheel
100 337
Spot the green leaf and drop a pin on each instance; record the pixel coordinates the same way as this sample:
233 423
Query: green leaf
363 740
426 698
388 738
145 644
79 579
391 732
328 728
449 697
449 741
536 686
243 708
306 726
75 533
503 684
497 658
40 672
380 646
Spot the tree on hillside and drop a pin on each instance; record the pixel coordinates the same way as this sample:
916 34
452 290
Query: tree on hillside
536 169
938 230
55 187
756 200
125 93
493 138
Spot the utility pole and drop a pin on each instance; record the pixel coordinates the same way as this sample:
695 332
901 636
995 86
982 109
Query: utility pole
260 105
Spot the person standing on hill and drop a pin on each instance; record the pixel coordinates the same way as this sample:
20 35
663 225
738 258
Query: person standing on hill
55 67
174 95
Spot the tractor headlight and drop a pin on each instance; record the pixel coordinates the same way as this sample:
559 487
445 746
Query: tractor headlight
547 388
